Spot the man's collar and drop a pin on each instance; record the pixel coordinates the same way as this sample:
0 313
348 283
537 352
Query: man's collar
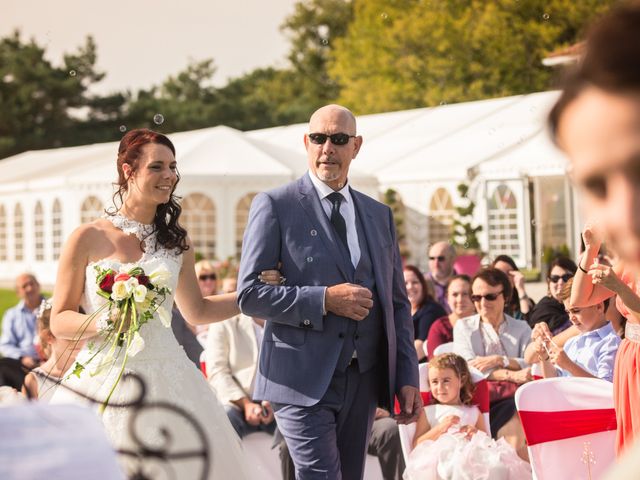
323 189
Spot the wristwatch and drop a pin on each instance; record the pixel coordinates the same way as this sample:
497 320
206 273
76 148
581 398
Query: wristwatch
505 361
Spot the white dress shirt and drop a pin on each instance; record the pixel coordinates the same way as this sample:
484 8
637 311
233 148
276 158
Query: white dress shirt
347 210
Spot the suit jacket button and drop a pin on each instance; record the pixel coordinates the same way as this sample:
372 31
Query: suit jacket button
307 323
309 259
313 233
341 335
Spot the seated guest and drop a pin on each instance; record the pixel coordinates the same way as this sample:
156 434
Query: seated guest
536 351
232 355
520 304
459 299
442 256
19 333
60 354
424 308
494 343
590 354
550 309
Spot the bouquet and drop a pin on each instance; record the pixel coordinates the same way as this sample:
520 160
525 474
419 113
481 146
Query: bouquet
133 297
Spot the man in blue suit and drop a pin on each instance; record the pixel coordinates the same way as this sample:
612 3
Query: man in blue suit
338 339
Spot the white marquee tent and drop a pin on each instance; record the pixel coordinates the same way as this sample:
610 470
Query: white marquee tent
500 146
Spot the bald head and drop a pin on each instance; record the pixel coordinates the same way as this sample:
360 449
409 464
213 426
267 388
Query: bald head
442 255
334 112
331 144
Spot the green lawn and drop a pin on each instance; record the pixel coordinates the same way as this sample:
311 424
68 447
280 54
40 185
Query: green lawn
8 299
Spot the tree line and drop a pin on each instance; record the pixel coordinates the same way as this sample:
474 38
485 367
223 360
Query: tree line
370 55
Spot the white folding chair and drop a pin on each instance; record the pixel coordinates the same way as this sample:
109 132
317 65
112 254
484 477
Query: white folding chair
443 348
570 426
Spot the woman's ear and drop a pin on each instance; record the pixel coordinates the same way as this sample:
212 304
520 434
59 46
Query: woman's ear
126 169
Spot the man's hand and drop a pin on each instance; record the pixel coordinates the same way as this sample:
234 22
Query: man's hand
348 300
253 413
410 404
29 362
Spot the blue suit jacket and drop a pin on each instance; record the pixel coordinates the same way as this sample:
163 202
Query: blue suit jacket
301 346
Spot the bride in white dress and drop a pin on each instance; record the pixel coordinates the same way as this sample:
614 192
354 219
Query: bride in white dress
145 232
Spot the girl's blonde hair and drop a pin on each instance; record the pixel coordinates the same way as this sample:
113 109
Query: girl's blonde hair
459 366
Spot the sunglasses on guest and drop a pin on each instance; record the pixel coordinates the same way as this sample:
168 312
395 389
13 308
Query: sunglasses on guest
439 258
336 138
490 297
565 278
207 276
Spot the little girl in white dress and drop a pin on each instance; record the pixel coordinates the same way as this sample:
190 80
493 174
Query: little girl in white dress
451 440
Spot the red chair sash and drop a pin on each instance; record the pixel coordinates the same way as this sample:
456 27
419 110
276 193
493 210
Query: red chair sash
542 427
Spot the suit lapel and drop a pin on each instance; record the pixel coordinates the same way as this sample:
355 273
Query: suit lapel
311 204
371 237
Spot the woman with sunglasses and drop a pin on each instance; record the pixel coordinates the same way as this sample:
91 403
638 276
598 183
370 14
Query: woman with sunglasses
550 309
494 343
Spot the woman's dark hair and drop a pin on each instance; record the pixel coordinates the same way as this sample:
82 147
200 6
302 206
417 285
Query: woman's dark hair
506 259
512 305
169 232
610 61
563 262
459 276
495 277
426 296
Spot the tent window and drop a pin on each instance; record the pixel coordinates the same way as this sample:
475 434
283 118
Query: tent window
18 234
199 218
92 209
38 232
503 223
242 217
3 234
440 216
56 229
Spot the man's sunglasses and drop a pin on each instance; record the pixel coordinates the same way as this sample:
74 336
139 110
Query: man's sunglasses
336 138
490 297
439 258
565 278
204 278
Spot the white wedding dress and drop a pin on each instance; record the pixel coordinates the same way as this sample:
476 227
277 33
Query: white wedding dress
169 377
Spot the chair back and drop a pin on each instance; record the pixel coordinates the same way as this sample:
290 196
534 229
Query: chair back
203 363
570 426
443 348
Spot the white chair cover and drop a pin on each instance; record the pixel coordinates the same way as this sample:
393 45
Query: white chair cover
577 457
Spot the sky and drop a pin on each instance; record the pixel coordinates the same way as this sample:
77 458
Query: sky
141 42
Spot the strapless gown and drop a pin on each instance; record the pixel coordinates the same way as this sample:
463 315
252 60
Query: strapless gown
169 377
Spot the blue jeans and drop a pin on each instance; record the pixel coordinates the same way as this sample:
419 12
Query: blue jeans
240 425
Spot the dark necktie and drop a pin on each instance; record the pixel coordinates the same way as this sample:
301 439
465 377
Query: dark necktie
337 220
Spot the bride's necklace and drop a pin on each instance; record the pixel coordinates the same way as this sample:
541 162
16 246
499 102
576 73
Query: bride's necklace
131 227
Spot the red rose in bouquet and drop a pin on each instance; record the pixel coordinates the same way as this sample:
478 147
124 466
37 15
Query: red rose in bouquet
107 282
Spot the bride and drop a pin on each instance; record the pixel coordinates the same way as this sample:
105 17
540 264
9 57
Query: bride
145 232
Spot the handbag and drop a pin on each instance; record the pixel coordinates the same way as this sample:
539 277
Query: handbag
501 389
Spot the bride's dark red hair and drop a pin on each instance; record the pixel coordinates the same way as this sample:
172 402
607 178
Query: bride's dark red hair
169 232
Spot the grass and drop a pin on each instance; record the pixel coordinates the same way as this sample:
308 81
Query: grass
8 299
